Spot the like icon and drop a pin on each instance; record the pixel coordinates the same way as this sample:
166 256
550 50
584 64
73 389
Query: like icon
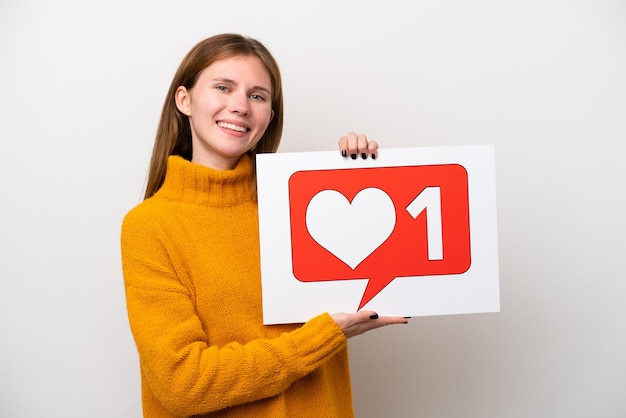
379 224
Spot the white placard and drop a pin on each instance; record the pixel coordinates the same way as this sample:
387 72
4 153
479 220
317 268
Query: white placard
411 233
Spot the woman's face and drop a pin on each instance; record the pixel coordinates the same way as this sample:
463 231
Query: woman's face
229 109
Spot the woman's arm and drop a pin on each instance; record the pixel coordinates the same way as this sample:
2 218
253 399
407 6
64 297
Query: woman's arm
185 371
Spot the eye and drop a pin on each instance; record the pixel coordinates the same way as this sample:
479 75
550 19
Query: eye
222 88
258 97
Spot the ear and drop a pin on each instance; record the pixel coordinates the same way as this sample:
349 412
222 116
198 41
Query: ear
183 100
271 117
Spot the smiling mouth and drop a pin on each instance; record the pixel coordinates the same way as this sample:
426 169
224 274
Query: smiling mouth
232 127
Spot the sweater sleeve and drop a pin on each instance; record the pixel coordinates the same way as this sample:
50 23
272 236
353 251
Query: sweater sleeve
184 370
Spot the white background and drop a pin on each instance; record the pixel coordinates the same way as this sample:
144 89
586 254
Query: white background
82 84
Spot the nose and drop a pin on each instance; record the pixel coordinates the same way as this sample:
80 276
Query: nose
239 103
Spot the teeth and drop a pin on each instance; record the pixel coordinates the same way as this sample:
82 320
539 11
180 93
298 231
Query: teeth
231 126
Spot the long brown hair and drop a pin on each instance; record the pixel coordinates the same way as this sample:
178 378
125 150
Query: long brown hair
173 135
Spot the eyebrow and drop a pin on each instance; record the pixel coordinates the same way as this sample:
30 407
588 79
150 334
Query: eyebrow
229 81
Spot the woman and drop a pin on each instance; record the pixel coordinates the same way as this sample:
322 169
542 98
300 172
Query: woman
190 255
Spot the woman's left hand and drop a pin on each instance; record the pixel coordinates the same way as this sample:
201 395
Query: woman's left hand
353 324
354 145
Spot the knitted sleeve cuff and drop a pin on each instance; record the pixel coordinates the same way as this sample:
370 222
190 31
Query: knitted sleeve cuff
317 340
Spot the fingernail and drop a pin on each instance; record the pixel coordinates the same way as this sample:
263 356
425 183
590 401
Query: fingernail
363 155
373 156
353 156
344 153
374 316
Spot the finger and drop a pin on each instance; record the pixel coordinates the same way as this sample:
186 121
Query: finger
365 316
391 320
361 317
362 146
353 144
372 148
343 146
354 323
380 322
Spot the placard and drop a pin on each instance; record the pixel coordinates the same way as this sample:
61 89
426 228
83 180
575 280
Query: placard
411 233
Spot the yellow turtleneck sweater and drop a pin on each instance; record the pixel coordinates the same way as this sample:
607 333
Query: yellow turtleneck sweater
190 256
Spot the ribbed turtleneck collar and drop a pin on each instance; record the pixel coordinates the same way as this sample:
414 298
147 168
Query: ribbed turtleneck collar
196 184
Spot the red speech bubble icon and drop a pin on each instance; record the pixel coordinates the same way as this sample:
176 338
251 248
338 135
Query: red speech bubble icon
379 224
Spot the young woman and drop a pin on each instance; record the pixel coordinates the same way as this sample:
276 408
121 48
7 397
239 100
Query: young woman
190 256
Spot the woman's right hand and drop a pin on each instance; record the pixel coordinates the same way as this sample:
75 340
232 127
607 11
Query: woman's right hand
358 323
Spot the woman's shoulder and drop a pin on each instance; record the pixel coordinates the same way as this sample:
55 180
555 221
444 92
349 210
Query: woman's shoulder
147 213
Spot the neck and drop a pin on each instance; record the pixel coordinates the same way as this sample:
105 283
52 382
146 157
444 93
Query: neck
194 183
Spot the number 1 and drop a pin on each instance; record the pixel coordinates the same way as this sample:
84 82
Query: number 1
429 200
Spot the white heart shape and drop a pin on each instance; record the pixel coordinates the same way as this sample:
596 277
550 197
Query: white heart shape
351 231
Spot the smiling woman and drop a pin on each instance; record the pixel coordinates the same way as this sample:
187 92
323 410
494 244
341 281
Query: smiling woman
190 256
229 109
175 135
